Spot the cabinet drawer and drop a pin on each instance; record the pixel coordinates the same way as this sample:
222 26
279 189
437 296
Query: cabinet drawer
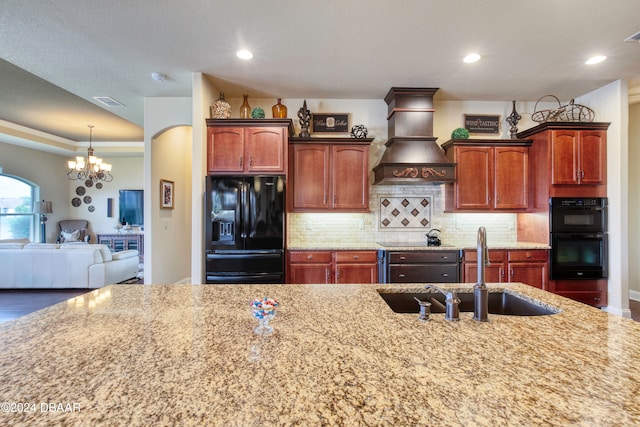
356 256
408 257
528 255
423 273
495 255
596 299
578 285
309 256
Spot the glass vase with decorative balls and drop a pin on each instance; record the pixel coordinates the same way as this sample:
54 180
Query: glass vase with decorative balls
279 111
245 108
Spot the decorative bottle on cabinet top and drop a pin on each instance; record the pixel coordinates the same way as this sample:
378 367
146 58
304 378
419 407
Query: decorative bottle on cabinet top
279 110
245 108
221 109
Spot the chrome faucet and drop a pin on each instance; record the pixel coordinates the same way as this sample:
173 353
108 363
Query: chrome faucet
480 291
452 311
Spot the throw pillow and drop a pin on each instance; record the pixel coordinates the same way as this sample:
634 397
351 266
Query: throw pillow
71 237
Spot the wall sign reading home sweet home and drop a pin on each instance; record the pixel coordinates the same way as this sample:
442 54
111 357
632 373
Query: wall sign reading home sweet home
482 123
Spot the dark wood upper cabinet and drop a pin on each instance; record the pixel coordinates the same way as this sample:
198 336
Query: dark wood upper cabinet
578 157
567 159
310 176
243 146
329 174
491 175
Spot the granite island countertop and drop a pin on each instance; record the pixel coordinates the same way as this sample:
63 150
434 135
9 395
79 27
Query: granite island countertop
412 246
187 355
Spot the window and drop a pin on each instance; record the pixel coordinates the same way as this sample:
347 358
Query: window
17 219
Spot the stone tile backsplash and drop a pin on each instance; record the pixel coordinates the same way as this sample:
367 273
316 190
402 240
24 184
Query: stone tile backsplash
398 214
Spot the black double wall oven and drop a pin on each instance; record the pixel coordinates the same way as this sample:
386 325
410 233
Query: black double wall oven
579 239
244 226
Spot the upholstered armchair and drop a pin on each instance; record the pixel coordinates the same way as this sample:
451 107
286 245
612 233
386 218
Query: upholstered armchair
73 230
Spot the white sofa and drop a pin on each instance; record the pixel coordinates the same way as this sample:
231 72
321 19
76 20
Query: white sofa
68 265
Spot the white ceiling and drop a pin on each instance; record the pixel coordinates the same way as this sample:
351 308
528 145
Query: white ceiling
56 55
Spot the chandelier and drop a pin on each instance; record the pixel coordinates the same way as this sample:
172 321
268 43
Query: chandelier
90 169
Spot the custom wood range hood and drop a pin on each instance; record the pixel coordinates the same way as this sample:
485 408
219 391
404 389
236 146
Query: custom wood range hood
412 155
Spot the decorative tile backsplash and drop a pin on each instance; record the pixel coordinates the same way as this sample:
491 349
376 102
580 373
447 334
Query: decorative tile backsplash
405 212
393 206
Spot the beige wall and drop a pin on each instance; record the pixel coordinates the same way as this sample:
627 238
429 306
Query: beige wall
48 171
634 201
611 104
167 155
171 227
127 175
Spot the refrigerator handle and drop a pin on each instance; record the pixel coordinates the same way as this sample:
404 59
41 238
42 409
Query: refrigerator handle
245 195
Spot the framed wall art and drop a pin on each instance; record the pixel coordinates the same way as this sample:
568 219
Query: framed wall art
166 194
482 123
330 122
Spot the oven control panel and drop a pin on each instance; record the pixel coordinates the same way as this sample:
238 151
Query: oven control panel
579 202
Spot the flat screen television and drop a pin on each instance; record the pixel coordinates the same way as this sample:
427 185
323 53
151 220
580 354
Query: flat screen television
132 207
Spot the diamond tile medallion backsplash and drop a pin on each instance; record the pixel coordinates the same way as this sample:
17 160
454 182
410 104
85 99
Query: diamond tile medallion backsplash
405 212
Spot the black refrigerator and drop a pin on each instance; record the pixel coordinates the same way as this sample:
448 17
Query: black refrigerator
244 225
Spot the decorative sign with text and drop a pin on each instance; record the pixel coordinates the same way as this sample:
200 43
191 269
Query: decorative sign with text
326 123
482 123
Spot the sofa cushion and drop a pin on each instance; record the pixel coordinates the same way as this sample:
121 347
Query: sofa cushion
24 241
41 246
8 245
125 254
105 252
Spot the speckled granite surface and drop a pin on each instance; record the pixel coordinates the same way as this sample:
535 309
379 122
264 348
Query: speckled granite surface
187 355
418 246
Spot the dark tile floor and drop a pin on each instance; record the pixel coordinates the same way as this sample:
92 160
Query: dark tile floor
18 302
634 306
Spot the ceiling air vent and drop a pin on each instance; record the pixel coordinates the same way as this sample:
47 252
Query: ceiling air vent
633 38
108 101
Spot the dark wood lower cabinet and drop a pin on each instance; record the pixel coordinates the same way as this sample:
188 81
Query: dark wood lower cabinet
309 267
519 265
419 266
591 292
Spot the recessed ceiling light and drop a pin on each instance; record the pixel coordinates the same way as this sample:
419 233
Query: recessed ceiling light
472 57
244 54
595 60
159 77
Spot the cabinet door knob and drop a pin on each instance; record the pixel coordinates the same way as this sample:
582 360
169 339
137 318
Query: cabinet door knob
445 275
309 256
356 257
402 258
240 160
444 257
401 276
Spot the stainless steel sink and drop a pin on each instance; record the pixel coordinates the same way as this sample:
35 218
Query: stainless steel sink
500 303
